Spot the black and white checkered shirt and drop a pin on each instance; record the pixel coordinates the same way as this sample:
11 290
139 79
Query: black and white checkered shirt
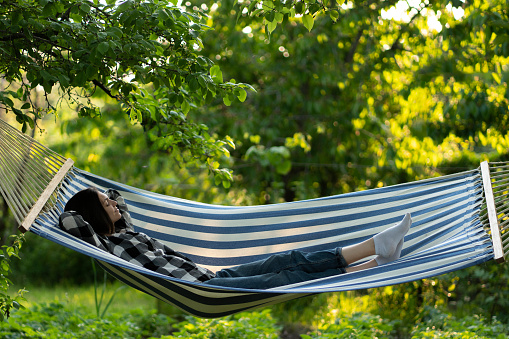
134 247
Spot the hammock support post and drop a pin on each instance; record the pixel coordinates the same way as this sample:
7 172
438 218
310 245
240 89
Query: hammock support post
46 194
492 213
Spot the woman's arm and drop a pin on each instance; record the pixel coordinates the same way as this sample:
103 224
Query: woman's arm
73 223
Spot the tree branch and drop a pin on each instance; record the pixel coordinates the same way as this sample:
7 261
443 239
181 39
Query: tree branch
105 89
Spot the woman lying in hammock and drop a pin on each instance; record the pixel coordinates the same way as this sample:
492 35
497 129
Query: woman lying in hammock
103 220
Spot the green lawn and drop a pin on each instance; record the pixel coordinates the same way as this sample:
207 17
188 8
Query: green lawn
83 297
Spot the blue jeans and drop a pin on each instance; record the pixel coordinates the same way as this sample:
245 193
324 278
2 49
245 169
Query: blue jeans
282 269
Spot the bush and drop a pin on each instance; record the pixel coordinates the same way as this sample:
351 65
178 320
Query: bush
54 320
357 325
255 325
437 324
480 289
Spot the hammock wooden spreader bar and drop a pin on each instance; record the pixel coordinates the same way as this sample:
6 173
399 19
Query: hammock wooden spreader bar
499 215
459 220
496 238
30 174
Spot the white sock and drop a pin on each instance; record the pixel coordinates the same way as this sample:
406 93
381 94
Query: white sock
395 256
387 241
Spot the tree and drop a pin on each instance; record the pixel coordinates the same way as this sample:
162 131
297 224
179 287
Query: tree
369 99
142 53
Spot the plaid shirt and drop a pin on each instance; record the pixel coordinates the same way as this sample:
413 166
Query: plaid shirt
134 247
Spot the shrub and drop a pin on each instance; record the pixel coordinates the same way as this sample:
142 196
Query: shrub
480 289
7 252
254 325
356 325
437 324
55 320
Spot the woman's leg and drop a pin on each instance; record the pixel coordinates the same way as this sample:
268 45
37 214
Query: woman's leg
387 245
296 266
293 260
357 252
282 269
272 280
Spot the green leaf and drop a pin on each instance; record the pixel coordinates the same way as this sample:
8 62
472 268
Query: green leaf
46 75
216 74
185 107
299 7
26 105
7 101
241 95
103 47
64 80
334 15
308 21
85 7
271 26
279 17
114 31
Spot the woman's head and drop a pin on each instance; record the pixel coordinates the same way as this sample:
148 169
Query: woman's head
96 209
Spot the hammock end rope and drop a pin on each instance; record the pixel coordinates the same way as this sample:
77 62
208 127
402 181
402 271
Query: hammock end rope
46 194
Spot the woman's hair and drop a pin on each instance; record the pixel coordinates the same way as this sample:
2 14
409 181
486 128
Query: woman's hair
87 204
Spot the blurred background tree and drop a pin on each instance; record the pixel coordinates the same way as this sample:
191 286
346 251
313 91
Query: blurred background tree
389 92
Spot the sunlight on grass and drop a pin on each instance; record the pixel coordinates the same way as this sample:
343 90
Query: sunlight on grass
83 297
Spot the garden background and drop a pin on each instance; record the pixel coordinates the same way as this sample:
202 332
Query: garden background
254 102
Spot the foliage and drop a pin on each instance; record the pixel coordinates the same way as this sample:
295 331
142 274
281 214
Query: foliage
142 53
357 325
45 263
54 320
344 315
437 324
364 100
243 325
369 100
481 289
410 299
7 252
99 299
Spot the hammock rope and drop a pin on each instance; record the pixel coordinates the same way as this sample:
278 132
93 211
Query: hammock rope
452 228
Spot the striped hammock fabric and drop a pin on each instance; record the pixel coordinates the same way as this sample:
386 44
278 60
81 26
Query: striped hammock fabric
459 220
447 234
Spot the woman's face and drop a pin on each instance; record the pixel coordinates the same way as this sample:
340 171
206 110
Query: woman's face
110 206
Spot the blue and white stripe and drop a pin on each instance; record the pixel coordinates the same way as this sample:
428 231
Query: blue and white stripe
446 235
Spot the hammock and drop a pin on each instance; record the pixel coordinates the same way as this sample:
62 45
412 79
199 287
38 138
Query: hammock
459 220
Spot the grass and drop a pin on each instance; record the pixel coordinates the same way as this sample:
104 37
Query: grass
83 297
128 298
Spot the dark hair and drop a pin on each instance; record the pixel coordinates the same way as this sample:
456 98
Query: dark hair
87 204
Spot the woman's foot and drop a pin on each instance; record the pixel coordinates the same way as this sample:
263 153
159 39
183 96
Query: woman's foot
395 256
387 242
